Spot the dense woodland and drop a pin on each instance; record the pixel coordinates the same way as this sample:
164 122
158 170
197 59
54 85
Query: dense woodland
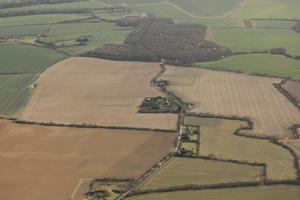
155 39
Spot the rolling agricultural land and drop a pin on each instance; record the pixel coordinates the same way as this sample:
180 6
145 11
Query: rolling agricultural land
149 99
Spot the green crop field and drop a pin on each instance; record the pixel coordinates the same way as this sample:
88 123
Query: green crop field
245 39
39 19
186 171
100 34
269 9
21 31
273 24
277 192
14 93
217 139
20 58
73 5
259 64
207 8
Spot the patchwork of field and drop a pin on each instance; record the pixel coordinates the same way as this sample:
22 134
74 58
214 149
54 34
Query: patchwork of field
39 162
263 64
277 192
19 67
187 171
97 91
60 35
217 139
227 93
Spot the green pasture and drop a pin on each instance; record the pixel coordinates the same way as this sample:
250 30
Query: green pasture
264 64
39 19
273 24
207 8
100 34
217 139
269 9
187 171
20 58
60 6
22 31
256 39
276 192
14 93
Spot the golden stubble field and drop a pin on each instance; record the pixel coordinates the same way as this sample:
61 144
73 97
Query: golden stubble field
226 93
97 91
46 163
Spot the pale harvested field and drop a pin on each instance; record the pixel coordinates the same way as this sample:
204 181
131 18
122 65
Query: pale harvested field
97 91
188 171
46 163
226 93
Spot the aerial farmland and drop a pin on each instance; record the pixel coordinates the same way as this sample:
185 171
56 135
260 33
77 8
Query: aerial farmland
149 100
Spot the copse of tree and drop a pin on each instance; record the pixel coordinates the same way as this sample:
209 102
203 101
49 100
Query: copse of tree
297 27
155 39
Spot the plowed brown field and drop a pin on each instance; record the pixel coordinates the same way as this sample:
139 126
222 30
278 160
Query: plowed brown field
226 93
46 163
293 88
97 91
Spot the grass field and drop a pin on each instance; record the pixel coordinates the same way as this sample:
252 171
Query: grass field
208 8
245 39
14 93
273 24
25 58
185 171
65 6
22 31
97 91
100 33
278 192
40 162
269 9
217 138
168 10
259 64
39 19
228 93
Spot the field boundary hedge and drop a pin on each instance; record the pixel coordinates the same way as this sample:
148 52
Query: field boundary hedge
289 96
91 126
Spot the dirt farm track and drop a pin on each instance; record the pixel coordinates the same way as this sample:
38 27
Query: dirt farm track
46 163
97 91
